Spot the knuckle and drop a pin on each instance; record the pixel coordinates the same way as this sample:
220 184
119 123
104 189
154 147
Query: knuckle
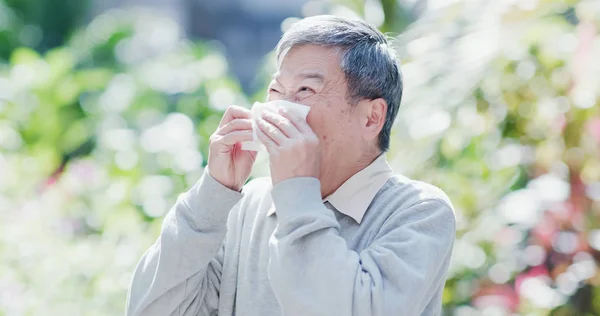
224 127
212 138
230 109
286 123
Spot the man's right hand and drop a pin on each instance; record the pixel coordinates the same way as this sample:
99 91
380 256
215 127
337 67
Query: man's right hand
227 162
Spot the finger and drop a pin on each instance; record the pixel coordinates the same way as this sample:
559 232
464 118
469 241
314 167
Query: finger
282 123
271 131
297 121
266 140
235 125
234 112
234 137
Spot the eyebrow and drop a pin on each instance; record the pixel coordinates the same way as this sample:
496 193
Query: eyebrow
311 74
308 74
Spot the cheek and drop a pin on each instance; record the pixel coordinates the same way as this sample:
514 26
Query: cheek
327 121
326 125
274 97
316 121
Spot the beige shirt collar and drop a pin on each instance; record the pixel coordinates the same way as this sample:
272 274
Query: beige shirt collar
354 196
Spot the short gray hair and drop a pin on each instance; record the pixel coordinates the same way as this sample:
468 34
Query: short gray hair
366 58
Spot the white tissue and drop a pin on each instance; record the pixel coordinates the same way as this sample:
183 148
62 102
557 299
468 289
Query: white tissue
257 109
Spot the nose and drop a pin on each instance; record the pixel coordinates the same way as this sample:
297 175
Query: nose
290 98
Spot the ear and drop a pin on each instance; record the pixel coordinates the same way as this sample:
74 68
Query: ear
373 113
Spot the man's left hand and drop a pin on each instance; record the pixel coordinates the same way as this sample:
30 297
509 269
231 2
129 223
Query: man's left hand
292 145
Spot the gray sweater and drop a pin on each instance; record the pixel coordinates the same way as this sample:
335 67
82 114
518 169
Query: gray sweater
222 252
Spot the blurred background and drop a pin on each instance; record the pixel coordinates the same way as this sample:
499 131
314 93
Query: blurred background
106 108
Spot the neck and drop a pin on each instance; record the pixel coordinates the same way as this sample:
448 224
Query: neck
339 171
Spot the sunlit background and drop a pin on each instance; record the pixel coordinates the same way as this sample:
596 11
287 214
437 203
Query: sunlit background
106 108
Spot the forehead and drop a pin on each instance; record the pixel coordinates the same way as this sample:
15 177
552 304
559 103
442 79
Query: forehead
310 61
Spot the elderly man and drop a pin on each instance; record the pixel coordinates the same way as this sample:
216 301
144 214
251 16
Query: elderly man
333 231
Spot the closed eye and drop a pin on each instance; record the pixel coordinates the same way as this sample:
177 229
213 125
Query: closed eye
304 89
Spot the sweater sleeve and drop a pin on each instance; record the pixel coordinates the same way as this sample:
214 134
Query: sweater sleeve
180 273
313 272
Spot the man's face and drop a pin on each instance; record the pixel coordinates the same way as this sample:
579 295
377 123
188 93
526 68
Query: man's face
311 75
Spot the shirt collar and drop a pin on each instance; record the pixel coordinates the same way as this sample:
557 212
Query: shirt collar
355 195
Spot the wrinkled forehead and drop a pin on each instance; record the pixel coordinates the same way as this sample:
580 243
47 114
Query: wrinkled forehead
333 51
312 74
309 61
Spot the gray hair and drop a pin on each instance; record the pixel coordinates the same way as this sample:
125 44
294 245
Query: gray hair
366 58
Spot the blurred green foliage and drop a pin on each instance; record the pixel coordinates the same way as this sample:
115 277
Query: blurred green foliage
35 24
101 132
